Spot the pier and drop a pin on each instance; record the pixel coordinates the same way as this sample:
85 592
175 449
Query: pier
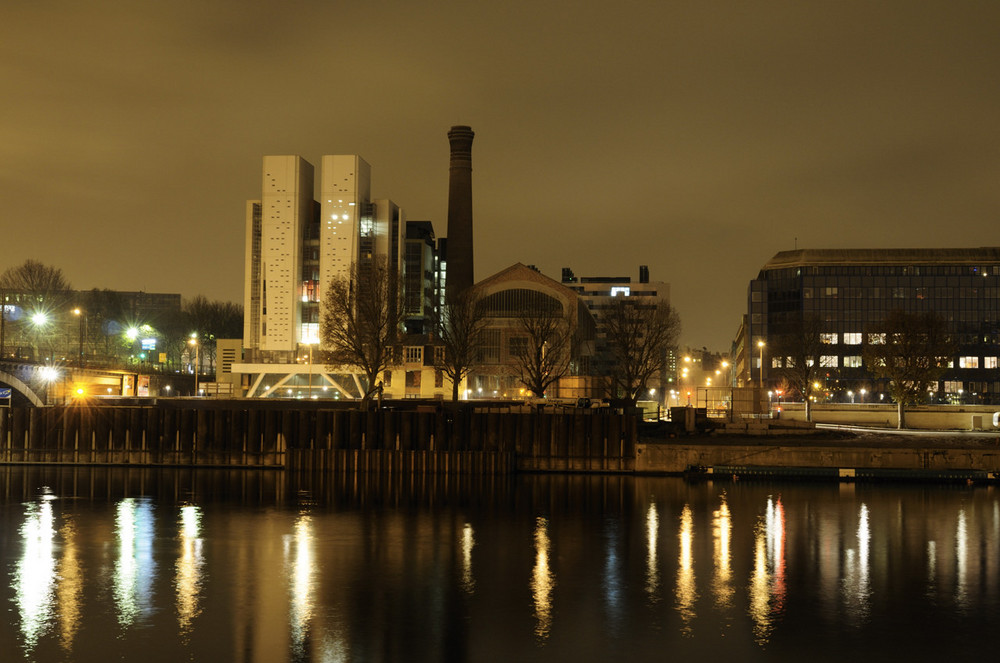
442 438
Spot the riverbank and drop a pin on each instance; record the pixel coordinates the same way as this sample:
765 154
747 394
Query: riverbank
837 453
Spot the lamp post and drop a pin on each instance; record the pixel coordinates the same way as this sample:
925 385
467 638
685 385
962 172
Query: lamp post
3 317
761 344
194 342
78 312
310 371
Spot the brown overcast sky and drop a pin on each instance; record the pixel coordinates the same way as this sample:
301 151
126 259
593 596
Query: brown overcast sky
697 137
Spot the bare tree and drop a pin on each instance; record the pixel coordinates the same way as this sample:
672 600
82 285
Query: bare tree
47 290
460 326
912 351
542 345
799 350
362 317
35 277
212 320
106 312
639 336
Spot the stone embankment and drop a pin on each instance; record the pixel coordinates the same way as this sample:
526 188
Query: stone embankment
795 448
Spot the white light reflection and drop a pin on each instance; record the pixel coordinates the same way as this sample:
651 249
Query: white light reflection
468 542
857 585
652 569
34 578
134 570
686 590
542 580
767 583
189 568
70 590
961 561
302 574
722 527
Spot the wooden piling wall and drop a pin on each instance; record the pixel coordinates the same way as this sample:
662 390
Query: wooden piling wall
455 440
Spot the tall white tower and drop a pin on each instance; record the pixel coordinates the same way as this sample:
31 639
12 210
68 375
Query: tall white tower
284 210
345 214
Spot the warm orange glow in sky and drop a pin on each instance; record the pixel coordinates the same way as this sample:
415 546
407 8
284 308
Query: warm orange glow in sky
697 138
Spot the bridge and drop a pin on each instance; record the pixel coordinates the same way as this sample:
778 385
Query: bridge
34 384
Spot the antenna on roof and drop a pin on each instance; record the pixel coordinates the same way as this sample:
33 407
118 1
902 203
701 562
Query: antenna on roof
796 243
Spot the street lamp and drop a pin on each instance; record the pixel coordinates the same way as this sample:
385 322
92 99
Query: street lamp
78 312
761 344
310 370
194 342
49 374
38 319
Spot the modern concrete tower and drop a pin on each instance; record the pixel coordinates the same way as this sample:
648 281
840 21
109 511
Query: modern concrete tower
460 268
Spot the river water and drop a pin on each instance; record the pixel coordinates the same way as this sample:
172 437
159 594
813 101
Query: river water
173 565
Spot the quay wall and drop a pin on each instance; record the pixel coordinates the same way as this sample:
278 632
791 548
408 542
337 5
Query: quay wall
679 457
885 415
457 439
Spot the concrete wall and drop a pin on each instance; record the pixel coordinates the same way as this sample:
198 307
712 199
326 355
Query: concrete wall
671 457
921 417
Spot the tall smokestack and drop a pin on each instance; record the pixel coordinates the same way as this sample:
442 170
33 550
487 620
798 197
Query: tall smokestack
460 272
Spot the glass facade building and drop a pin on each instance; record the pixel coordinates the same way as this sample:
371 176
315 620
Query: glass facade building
850 291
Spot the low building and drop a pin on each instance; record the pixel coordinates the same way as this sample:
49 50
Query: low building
599 293
507 296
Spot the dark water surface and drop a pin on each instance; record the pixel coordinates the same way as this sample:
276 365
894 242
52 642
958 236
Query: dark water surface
172 565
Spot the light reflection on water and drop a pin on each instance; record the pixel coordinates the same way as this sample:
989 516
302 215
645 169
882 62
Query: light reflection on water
767 583
687 592
302 570
135 567
376 573
189 568
652 568
721 531
542 580
468 541
34 577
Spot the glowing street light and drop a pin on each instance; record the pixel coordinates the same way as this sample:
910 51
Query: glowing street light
49 374
761 344
78 312
194 341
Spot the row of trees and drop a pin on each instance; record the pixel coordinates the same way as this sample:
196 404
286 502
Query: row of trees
102 324
911 351
363 318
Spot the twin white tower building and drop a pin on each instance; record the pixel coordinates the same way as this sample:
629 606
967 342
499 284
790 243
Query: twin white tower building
295 246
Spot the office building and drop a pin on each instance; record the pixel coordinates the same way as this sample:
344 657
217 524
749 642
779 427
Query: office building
850 291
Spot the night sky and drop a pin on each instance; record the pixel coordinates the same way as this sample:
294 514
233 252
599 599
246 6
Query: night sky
697 137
